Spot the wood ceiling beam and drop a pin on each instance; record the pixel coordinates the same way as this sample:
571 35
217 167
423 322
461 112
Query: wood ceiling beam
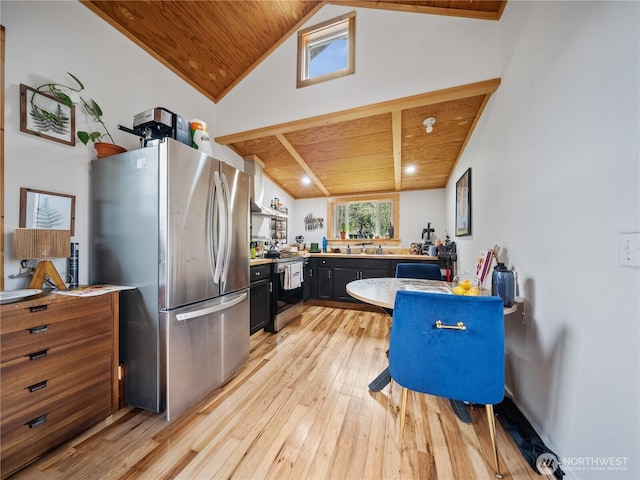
396 132
294 153
415 8
438 96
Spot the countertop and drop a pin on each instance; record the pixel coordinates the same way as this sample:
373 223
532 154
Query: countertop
371 256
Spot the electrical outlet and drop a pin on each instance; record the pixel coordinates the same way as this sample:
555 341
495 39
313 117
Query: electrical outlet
629 249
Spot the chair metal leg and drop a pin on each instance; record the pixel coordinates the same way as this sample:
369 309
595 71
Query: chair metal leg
403 410
491 419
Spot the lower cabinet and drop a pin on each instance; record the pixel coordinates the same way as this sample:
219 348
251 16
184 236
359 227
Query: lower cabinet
58 372
331 275
342 276
260 290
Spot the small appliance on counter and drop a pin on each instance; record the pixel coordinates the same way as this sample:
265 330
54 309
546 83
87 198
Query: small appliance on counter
158 123
427 241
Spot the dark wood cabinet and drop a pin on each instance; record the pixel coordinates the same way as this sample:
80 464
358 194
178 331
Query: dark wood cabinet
324 278
260 291
308 285
58 372
332 274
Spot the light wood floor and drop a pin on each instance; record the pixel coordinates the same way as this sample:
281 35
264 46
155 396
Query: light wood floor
299 409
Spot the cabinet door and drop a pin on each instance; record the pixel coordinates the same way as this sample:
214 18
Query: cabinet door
324 283
260 306
342 277
308 284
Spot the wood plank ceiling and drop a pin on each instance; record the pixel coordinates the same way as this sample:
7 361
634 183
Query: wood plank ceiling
213 45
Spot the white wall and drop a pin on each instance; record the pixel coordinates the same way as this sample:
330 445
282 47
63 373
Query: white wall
555 177
44 40
397 55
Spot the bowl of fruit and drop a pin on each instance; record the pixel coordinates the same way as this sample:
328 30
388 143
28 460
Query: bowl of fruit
466 284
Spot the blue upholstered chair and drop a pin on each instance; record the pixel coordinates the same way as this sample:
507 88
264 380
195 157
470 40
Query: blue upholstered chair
450 346
428 271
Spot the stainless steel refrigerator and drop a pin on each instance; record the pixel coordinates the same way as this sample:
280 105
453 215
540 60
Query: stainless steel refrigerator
173 223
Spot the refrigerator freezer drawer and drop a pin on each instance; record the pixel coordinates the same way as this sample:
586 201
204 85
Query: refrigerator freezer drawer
205 344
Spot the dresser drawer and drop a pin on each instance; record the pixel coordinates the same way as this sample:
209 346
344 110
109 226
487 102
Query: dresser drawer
51 428
18 406
27 371
44 326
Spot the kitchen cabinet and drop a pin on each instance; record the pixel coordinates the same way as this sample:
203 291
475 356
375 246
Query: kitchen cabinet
58 372
331 274
324 278
260 289
308 286
348 270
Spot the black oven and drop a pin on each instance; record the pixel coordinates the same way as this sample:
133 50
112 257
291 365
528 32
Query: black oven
287 291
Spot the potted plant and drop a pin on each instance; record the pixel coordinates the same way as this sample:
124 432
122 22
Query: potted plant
103 142
343 231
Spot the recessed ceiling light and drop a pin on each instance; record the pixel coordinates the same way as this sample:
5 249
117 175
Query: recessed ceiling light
306 180
410 169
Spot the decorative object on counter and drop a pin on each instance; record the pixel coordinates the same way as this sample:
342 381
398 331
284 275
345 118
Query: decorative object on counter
484 264
463 204
40 209
466 284
63 94
503 284
416 249
324 244
314 248
313 223
42 244
46 116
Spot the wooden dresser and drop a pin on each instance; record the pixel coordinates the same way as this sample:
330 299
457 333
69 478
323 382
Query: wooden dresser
58 372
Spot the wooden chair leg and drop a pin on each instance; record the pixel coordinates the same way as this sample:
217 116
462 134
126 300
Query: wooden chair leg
491 419
403 410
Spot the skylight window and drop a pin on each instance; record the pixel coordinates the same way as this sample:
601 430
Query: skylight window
326 51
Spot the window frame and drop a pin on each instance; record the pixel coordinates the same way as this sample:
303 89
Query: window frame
317 33
333 235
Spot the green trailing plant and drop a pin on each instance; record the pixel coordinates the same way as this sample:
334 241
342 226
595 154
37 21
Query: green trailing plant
56 120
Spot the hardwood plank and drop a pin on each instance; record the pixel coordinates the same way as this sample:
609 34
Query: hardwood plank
299 408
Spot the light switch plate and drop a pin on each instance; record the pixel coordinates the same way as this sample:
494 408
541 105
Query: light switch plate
629 250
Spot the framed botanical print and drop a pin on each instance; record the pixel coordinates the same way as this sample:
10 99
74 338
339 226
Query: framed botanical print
46 116
40 209
463 204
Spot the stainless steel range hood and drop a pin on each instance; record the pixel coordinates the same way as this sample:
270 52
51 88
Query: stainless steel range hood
253 167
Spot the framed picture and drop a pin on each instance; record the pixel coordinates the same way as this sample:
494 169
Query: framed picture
463 204
40 209
46 116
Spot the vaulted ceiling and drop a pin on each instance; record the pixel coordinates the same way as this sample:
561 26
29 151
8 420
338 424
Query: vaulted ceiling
213 45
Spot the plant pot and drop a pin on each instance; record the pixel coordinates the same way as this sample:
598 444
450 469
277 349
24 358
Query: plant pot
343 235
107 149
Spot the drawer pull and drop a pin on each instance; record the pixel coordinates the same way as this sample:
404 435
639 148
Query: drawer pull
38 329
38 308
37 386
37 355
36 422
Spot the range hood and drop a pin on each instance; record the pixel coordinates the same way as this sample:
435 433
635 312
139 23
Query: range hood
254 167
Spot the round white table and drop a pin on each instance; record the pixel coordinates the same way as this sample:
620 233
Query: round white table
382 291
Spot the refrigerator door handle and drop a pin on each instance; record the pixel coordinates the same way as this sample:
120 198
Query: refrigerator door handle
209 310
227 218
222 232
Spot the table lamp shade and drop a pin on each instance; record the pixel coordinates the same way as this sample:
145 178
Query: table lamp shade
42 244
